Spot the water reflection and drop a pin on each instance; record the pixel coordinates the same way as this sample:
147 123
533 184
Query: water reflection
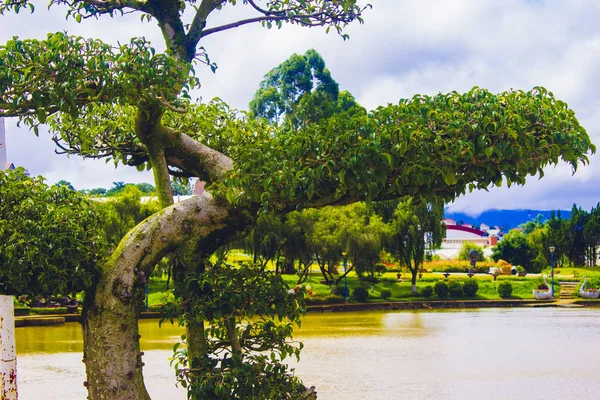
473 354
68 338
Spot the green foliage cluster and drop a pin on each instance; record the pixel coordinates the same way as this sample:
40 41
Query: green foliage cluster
87 76
360 294
301 91
51 241
321 235
462 266
463 255
240 307
470 287
441 289
122 212
416 228
505 289
515 249
427 291
455 289
385 294
331 159
328 299
575 240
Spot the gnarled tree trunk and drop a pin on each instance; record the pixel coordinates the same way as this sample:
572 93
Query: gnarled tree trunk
110 325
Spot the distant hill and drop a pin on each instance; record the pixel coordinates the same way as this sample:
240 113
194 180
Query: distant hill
506 219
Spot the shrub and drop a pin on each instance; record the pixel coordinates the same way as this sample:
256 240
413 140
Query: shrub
455 289
379 268
328 299
360 294
370 279
48 310
22 311
427 291
502 263
505 289
339 290
457 266
470 287
441 289
507 270
386 294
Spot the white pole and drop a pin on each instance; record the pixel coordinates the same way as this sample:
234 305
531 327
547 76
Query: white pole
3 159
8 365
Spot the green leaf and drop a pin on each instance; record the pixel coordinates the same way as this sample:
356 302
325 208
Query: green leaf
450 178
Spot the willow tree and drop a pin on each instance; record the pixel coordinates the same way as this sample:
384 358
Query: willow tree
415 228
131 103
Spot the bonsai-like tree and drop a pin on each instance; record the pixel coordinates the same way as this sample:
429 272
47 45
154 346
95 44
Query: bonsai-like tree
132 104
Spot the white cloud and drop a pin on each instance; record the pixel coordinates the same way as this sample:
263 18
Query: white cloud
404 47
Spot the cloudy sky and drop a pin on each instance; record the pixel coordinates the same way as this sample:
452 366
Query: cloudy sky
403 48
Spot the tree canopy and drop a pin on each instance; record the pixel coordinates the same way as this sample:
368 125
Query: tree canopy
302 91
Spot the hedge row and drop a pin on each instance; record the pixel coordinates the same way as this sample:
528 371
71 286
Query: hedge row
453 289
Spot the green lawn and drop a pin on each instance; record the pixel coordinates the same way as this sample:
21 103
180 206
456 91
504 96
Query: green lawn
401 291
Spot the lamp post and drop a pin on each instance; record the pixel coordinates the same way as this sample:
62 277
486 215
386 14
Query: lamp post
344 254
552 248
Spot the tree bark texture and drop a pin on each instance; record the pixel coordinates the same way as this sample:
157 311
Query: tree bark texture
196 344
110 326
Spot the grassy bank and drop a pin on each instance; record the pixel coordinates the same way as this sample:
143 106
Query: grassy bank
400 289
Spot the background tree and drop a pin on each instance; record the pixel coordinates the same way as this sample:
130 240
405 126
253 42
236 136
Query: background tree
297 246
533 224
416 224
118 187
557 237
96 192
537 241
365 237
466 248
115 189
267 240
62 182
131 103
121 212
326 240
181 186
300 91
515 249
577 249
591 233
51 241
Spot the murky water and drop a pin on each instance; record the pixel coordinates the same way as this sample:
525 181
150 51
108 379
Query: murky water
476 354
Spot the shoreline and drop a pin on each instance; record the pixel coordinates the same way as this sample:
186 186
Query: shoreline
48 320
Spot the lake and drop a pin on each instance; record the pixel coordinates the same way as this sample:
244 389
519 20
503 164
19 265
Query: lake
520 353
